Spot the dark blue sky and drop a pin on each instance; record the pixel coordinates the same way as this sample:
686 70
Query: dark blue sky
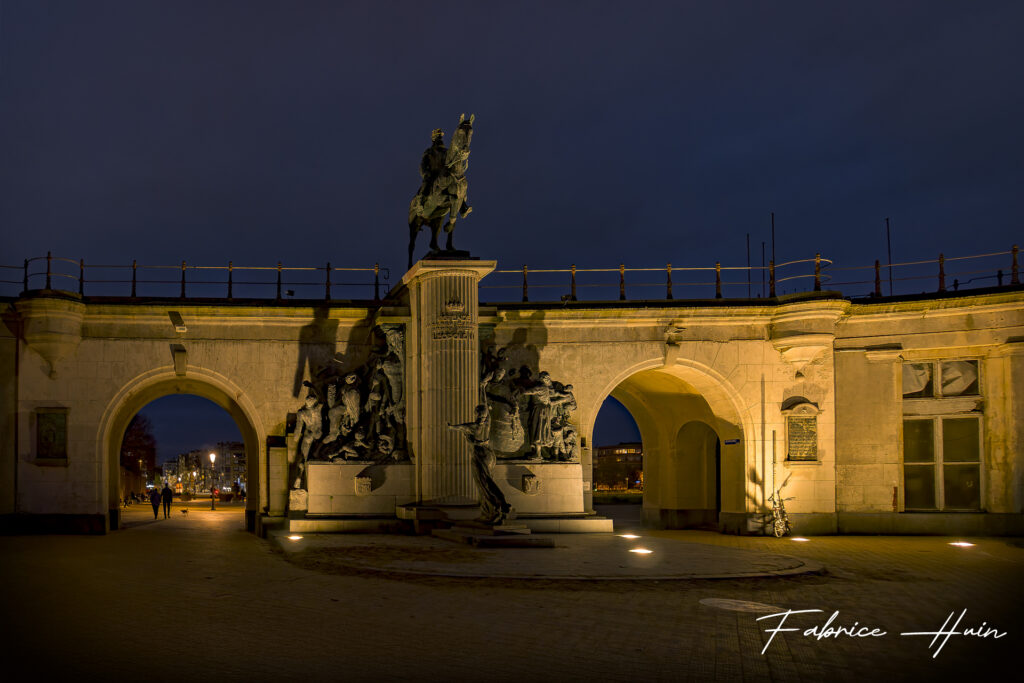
183 422
636 132
606 132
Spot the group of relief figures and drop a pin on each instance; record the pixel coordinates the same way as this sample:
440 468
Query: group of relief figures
516 413
358 416
529 417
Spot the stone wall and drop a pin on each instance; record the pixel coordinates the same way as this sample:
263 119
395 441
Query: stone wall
874 343
701 381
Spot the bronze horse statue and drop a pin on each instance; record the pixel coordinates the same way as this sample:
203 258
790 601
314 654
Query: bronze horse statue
443 195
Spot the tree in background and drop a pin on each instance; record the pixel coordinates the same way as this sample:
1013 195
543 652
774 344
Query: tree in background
138 449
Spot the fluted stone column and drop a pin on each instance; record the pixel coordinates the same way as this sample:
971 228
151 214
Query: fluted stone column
444 374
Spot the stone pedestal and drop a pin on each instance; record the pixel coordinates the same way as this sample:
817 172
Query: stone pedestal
443 375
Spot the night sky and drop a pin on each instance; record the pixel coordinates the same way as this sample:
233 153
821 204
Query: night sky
640 133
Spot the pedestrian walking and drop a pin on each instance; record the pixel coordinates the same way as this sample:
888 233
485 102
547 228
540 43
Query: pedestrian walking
154 498
167 495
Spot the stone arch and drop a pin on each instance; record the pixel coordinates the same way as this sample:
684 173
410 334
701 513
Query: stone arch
663 400
160 382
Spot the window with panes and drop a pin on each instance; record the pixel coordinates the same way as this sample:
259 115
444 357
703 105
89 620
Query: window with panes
942 436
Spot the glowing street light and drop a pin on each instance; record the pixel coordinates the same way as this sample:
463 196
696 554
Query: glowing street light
213 496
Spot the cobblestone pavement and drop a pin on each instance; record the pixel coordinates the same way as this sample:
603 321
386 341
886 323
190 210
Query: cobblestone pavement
197 597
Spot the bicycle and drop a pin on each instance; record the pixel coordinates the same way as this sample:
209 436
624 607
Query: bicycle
780 521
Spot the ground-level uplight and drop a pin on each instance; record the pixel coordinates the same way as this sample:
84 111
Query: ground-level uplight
641 551
962 544
628 536
295 538
800 538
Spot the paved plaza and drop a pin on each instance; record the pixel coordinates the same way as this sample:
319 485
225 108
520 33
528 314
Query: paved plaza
196 597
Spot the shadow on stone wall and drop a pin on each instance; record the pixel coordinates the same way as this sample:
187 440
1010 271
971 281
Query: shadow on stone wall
319 344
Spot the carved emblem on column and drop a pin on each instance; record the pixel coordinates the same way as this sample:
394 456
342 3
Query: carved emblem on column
453 322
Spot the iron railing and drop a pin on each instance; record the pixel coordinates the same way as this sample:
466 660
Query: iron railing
186 281
596 281
231 282
747 282
941 274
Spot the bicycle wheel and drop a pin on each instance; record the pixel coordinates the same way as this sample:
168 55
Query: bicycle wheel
779 528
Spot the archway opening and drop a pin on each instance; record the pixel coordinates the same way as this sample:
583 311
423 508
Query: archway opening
190 417
694 473
618 468
186 448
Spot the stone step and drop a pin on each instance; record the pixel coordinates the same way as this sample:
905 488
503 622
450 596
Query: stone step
492 529
482 540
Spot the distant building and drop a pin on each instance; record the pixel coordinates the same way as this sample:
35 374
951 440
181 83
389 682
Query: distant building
619 467
231 464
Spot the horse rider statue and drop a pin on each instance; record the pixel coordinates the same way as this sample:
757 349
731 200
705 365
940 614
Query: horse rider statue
442 191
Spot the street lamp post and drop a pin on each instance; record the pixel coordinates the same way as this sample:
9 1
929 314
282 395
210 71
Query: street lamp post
213 496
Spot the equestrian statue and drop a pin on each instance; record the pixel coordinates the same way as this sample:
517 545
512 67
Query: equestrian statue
442 194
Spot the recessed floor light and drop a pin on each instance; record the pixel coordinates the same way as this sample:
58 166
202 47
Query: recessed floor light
295 538
800 538
962 544
628 536
641 551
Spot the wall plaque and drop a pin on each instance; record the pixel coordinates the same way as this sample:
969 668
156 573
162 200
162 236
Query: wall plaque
802 437
52 433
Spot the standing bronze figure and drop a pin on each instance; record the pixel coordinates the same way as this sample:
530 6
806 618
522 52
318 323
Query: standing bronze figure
494 509
441 198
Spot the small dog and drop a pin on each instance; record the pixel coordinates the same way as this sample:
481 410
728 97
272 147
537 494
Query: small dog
184 511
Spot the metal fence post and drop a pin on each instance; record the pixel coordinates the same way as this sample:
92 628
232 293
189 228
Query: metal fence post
81 277
718 279
878 278
327 286
1014 271
376 281
942 273
182 279
49 260
526 294
622 282
572 289
278 280
231 270
817 272
771 278
24 282
668 281
135 268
